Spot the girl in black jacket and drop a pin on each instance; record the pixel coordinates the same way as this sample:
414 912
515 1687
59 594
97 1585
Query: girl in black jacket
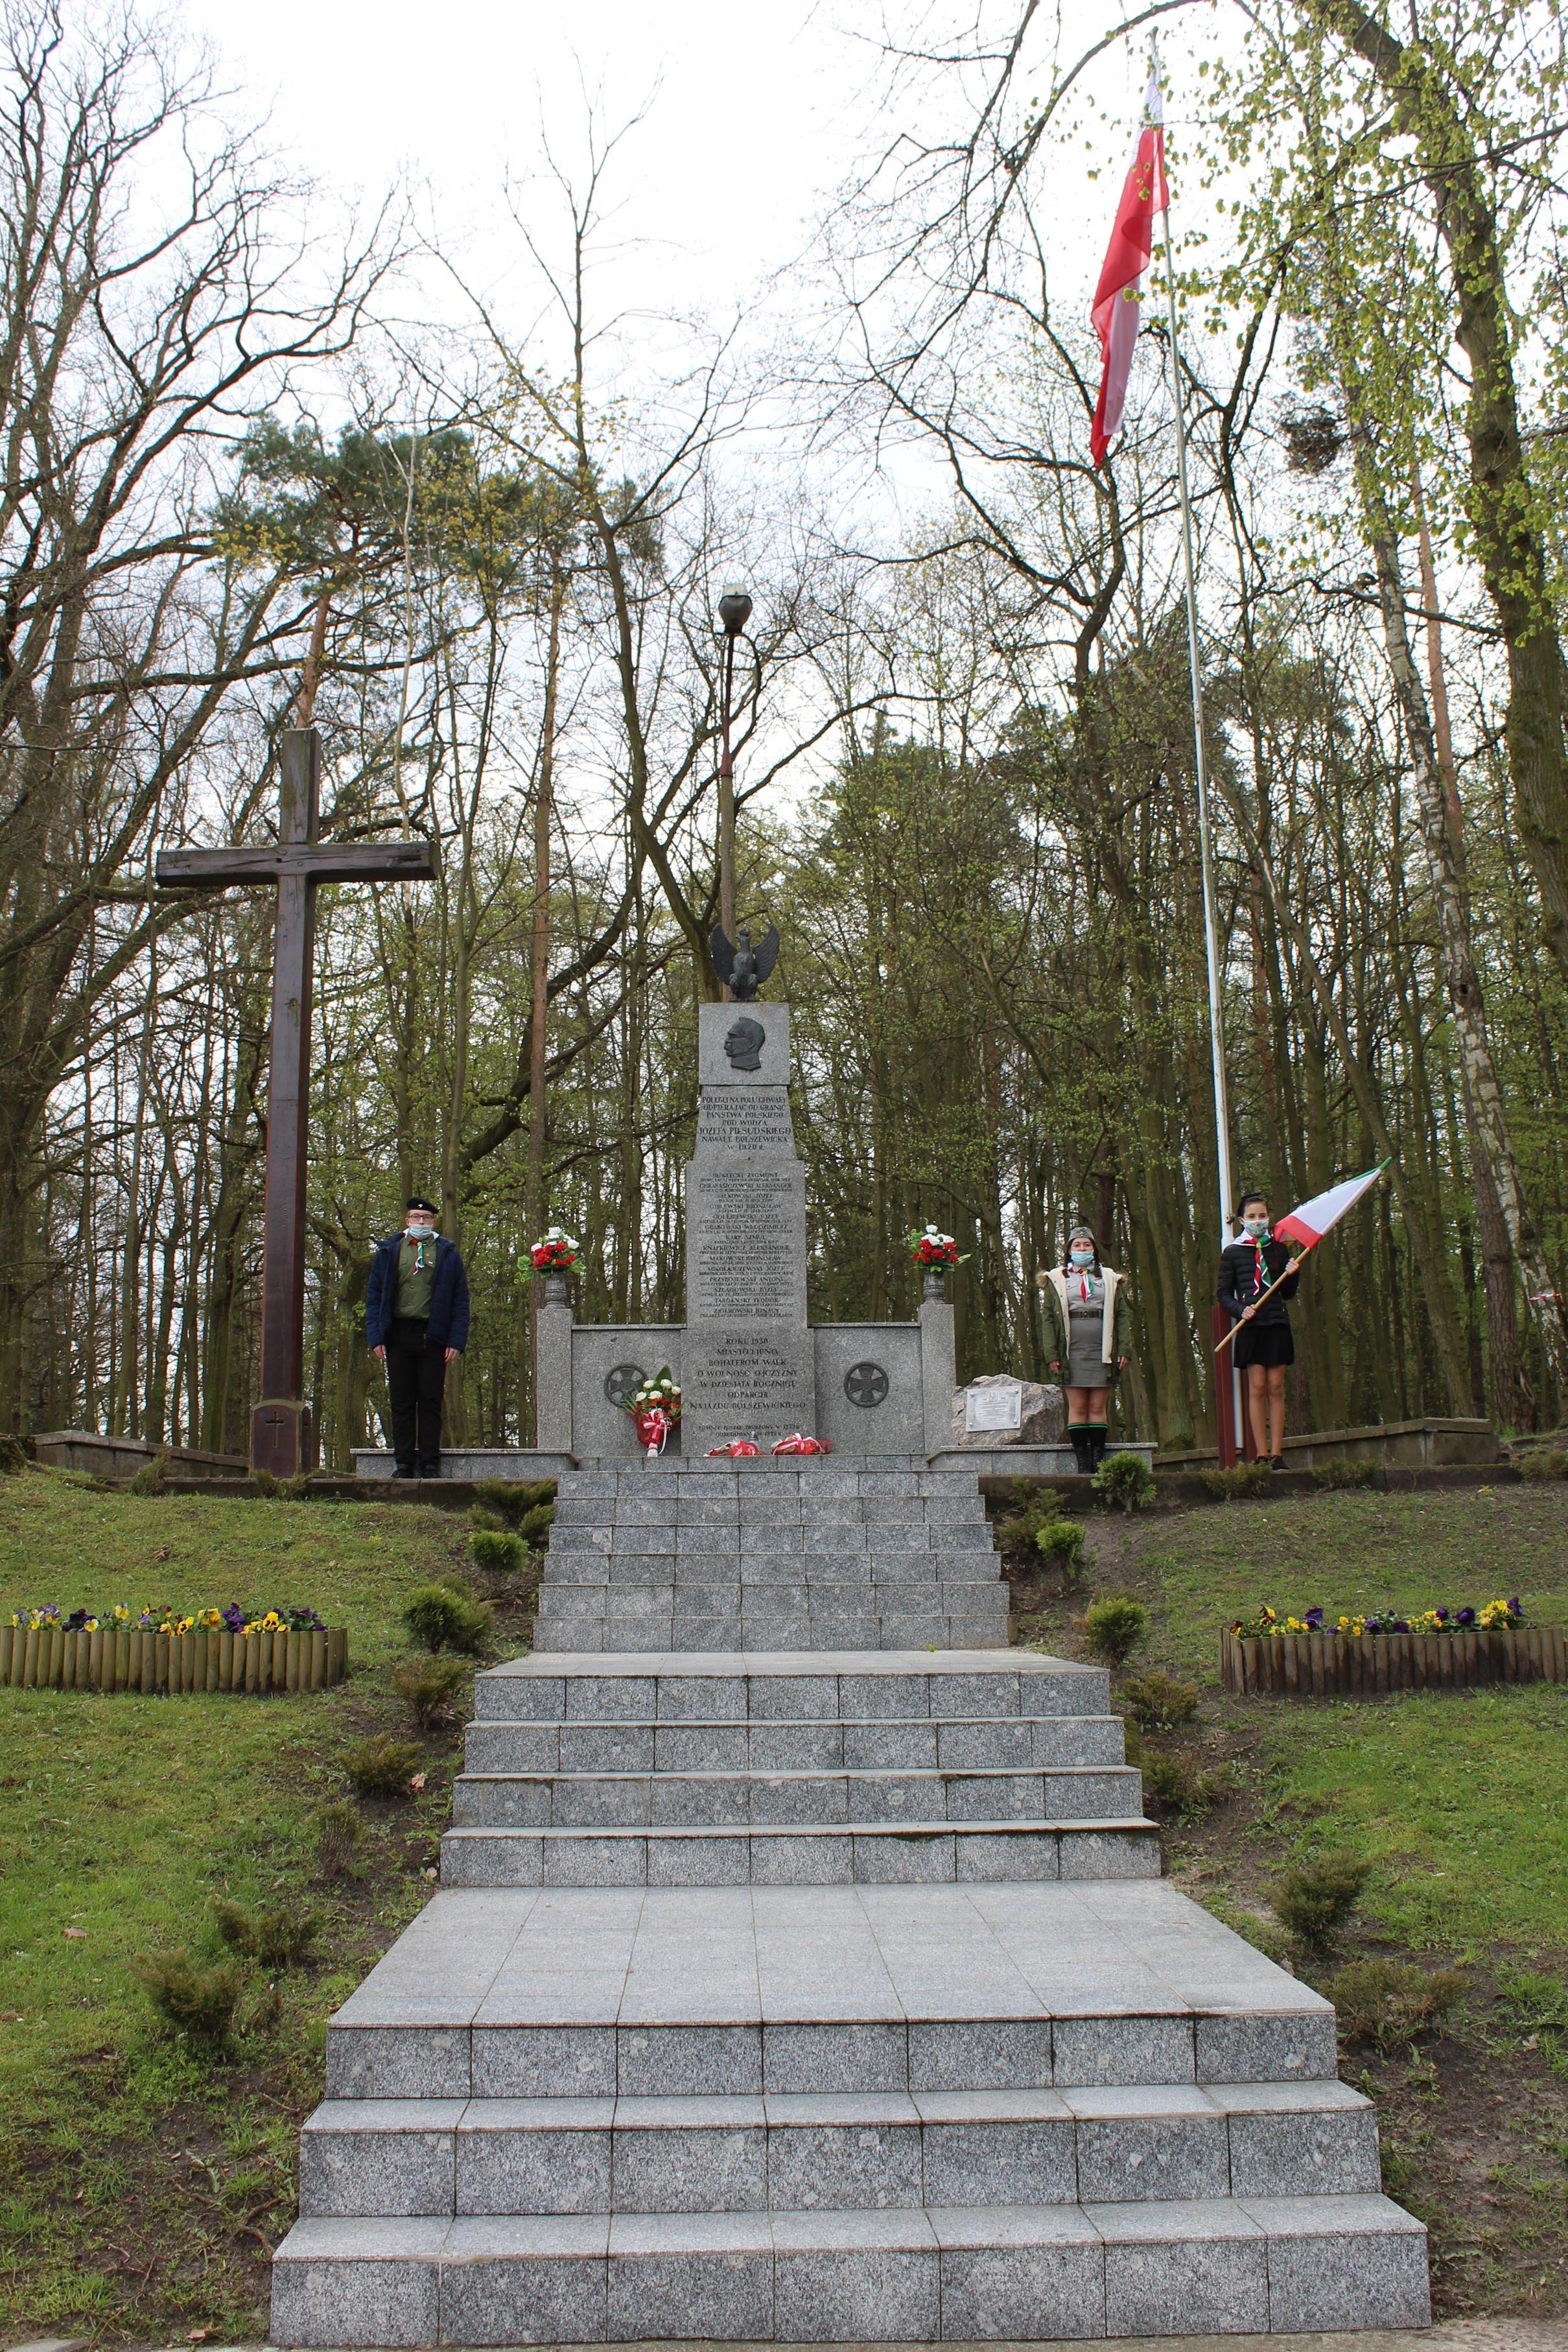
1262 1346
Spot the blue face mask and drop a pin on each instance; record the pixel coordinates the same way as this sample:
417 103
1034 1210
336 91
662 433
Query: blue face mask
1082 1257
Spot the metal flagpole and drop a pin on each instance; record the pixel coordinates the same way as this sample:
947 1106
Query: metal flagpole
1210 927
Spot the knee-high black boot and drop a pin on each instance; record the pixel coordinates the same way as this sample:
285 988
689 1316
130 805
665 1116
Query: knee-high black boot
1078 1438
1096 1434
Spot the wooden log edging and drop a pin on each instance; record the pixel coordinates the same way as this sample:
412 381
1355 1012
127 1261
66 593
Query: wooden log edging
124 1658
1370 1665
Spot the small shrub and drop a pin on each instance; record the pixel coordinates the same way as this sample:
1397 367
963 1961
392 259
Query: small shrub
536 1524
195 2000
427 1686
153 1477
479 1518
1125 1480
1542 1462
1390 2001
1314 1900
1230 1485
1017 1532
263 1481
1061 1541
1170 1783
1167 1781
512 1503
1333 1478
383 1767
13 1458
445 1620
340 1831
1114 1628
273 1938
496 1553
1158 1702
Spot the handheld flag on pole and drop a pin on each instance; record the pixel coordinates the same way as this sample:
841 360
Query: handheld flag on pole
1309 1224
1117 302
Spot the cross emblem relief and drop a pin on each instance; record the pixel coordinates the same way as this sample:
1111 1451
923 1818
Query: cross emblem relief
866 1384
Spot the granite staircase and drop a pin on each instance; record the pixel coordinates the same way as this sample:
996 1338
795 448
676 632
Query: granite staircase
765 1554
824 1997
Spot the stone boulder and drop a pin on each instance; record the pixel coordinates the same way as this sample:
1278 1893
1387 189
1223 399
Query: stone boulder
1042 1415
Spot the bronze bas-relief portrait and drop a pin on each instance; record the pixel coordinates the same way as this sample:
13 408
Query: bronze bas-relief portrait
744 1044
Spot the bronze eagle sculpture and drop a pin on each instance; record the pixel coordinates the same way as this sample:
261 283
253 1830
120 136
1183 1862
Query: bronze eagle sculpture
743 967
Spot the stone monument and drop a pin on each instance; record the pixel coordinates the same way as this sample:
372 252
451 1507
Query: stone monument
747 1357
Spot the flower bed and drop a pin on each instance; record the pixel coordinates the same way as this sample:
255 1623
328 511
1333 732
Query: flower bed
1493 1617
170 1651
1365 1656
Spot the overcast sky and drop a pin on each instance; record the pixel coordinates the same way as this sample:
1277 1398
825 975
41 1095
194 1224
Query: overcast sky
751 115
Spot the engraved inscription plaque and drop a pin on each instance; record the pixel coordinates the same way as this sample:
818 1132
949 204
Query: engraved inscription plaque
748 1238
755 1119
741 1382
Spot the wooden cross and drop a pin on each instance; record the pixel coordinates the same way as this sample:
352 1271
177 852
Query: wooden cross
295 864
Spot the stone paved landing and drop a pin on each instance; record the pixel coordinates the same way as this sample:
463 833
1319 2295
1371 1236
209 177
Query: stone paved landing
498 1958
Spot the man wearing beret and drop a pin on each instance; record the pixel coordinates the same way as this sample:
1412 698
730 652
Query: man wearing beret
417 1323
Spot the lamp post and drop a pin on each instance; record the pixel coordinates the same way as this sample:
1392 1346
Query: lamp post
734 611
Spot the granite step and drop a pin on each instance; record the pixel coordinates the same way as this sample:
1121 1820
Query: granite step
791 1798
867 2150
967 1743
776 1505
908 2274
869 1853
818 1476
565 1637
747 1990
811 1686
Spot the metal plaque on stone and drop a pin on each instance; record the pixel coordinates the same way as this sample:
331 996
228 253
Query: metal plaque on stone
993 1404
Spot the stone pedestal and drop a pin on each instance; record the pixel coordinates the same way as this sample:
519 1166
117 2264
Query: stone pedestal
552 1362
747 1359
280 1436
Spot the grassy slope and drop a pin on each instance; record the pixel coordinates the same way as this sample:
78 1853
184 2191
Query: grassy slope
1462 1805
173 2178
142 2187
1459 1803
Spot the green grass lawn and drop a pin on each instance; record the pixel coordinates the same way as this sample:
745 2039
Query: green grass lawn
142 2186
1460 1803
1460 1800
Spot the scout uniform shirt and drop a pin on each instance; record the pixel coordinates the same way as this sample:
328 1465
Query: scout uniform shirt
415 1279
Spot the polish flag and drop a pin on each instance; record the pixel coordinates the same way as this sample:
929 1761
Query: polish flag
1318 1216
1117 298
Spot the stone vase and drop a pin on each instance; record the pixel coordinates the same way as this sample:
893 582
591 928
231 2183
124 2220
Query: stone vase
555 1288
933 1281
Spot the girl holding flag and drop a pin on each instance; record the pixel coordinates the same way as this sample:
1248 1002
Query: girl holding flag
1256 1275
1257 1262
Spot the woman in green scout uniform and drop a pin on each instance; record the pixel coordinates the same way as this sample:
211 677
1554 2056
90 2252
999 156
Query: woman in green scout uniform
1088 1338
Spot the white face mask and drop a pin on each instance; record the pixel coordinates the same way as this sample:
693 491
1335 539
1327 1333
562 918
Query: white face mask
1258 1227
420 1232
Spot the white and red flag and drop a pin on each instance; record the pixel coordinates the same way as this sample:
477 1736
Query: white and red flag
1318 1216
1117 298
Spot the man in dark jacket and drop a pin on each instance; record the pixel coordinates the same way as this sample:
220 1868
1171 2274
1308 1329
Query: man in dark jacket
417 1323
